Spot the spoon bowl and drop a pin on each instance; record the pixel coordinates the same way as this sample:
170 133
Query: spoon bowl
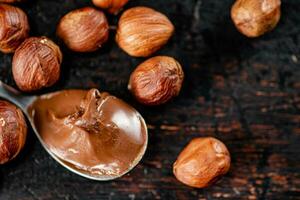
24 102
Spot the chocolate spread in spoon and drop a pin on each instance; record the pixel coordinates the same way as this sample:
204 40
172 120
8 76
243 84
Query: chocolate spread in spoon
96 133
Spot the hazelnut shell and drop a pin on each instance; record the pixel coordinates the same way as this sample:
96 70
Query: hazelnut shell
13 131
202 162
156 80
112 6
84 30
36 64
253 18
142 31
14 28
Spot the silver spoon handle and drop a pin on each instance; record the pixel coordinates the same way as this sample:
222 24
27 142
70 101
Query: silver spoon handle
9 93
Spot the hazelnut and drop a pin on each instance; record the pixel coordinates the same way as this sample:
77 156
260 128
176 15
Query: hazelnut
84 30
202 162
112 6
11 1
13 131
36 64
156 80
142 31
14 28
253 18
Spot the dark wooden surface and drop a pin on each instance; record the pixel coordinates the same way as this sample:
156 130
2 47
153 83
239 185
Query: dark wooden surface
246 92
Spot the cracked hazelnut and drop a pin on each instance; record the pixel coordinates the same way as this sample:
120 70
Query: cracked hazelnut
156 80
202 162
13 131
142 31
112 6
14 28
84 30
36 64
253 18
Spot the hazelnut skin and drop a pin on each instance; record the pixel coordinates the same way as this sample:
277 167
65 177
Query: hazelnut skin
13 131
14 28
112 6
142 31
36 64
253 18
83 30
156 81
202 162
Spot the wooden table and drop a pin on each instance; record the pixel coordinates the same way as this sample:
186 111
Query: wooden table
246 92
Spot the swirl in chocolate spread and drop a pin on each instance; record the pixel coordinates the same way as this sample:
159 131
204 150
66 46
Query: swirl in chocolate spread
94 132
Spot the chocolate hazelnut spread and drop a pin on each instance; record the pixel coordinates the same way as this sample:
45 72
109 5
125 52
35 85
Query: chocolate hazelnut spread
97 134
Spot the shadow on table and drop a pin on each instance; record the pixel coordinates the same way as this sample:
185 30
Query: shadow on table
1 180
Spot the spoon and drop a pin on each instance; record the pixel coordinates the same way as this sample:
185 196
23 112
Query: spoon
25 101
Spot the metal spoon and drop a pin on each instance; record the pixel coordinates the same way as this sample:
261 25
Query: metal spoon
23 102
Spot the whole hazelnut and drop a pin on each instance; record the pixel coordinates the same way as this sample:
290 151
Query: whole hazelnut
36 64
112 6
202 162
84 30
13 131
253 18
14 28
156 80
142 31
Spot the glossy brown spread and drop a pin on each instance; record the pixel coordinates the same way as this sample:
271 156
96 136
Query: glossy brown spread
96 133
